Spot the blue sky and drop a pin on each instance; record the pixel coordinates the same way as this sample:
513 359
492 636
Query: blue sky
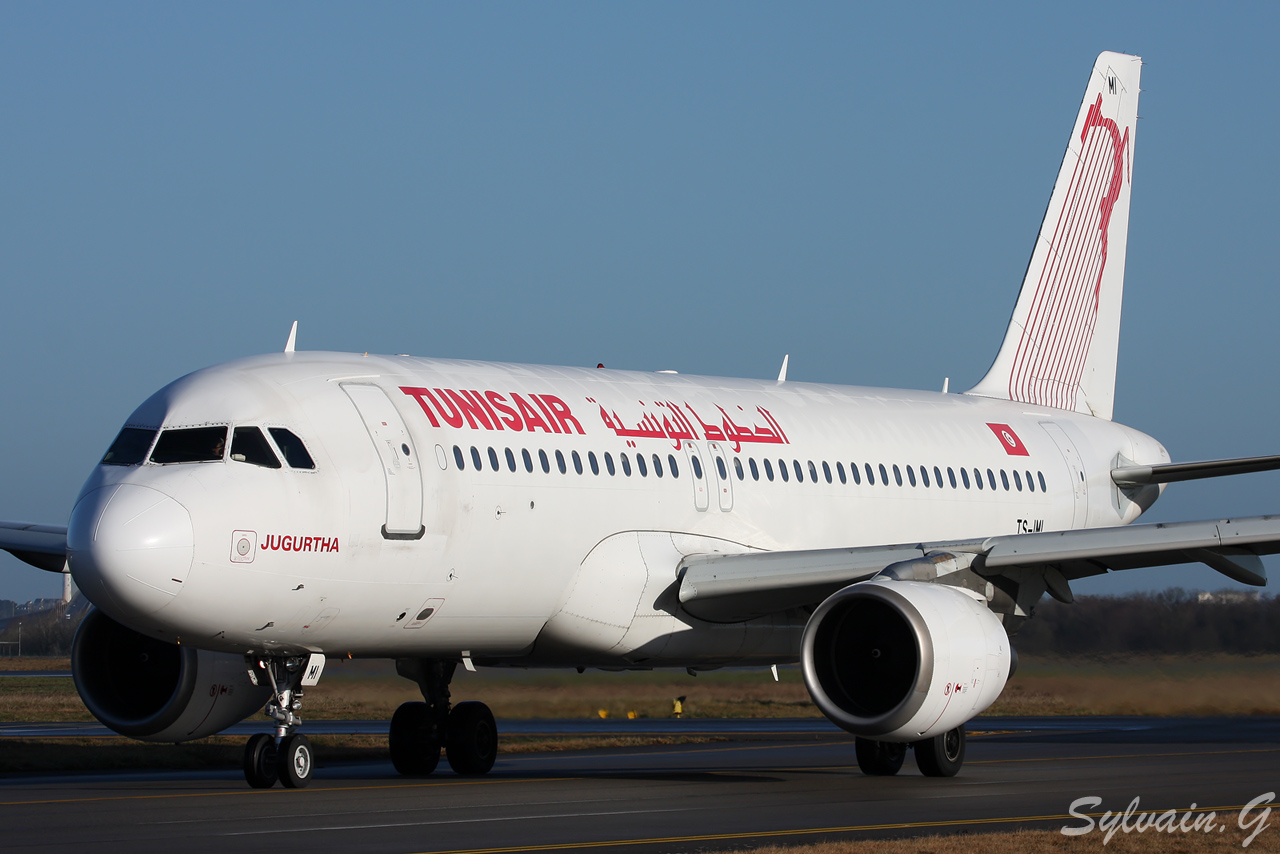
693 186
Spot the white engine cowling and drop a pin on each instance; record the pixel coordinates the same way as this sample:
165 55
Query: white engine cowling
904 660
156 691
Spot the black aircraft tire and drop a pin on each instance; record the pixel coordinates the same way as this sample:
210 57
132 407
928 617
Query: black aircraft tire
472 744
414 751
295 761
879 758
260 770
942 755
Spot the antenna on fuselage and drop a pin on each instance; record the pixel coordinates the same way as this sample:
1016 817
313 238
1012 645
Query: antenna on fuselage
293 338
782 374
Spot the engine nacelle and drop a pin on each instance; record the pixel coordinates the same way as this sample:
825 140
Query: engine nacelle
904 660
155 691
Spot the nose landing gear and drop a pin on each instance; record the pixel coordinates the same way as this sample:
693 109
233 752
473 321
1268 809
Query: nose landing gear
287 756
418 730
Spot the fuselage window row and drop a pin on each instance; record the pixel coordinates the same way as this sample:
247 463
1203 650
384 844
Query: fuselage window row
914 475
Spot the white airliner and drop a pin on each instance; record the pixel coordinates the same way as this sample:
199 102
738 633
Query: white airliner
253 518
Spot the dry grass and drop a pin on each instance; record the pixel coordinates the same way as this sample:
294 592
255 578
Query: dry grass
1047 842
27 663
1158 685
1215 685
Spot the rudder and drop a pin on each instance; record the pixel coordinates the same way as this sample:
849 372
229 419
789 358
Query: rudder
1061 345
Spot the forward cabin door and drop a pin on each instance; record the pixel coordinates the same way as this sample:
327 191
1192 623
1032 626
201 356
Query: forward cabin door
399 460
1075 470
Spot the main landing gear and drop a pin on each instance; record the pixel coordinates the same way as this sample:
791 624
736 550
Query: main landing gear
466 731
287 756
940 756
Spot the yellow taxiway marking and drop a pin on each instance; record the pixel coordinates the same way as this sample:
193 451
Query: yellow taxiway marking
801 831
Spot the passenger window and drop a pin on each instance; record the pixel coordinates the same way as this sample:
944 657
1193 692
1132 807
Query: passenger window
884 475
782 470
608 463
964 475
640 466
493 460
977 478
826 471
697 467
737 468
626 464
768 470
457 458
560 462
911 475
937 476
190 445
1031 484
511 460
951 476
657 465
853 470
1040 475
840 471
595 464
991 478
671 463
475 459
577 462
544 462
897 475
871 477
724 475
1017 480
528 460
924 475
799 471
813 473
130 447
248 445
755 471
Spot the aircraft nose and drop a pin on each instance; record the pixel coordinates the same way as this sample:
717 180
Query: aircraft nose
130 548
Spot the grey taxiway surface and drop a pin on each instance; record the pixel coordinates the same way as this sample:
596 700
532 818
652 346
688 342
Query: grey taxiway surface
769 782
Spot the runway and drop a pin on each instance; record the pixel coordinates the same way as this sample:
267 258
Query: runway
763 787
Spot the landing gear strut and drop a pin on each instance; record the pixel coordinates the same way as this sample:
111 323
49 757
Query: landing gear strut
418 730
287 756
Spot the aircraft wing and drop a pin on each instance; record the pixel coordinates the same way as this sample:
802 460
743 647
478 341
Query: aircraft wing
728 588
43 546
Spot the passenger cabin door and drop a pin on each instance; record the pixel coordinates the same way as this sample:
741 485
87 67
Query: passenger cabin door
1075 470
399 459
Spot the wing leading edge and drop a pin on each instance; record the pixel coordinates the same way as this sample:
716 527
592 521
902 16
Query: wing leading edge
729 588
42 546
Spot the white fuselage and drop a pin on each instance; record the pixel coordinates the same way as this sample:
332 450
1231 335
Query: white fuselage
389 548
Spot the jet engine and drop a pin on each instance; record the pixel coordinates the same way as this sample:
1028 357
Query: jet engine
904 660
156 691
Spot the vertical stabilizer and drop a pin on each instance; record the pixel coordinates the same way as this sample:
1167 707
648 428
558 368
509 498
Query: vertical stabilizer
1060 348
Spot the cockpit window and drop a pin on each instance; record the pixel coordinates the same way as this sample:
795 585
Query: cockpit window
248 445
130 447
295 453
190 445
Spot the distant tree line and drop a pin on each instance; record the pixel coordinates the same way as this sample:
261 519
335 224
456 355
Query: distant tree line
1168 622
45 633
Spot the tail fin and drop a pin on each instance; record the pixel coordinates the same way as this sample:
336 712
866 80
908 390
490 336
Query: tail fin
1060 348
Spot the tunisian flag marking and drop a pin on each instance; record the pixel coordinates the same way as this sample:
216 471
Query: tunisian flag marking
1012 444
